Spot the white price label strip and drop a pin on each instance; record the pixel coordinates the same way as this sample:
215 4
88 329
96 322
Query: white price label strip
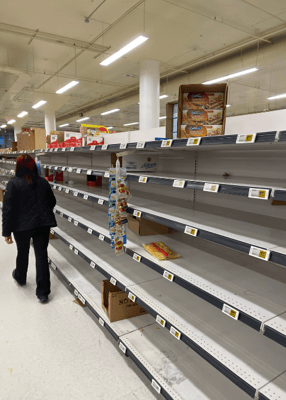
175 333
63 148
140 145
70 219
122 146
246 138
131 296
191 231
89 172
179 184
85 197
255 193
82 299
76 252
137 213
78 171
136 257
67 190
75 194
100 201
106 174
60 189
70 169
156 386
76 223
56 168
56 149
89 231
101 237
61 214
211 187
231 312
63 168
52 231
194 141
113 281
259 253
100 320
92 264
104 147
160 321
92 147
122 347
76 292
70 246
167 143
168 276
143 179
72 148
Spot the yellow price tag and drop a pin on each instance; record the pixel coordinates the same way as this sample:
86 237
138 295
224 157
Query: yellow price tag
193 231
196 141
248 138
213 188
262 254
262 193
232 313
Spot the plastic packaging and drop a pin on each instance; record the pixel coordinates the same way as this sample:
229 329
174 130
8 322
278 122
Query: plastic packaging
160 251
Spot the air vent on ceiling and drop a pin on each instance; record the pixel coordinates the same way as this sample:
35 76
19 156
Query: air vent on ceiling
127 75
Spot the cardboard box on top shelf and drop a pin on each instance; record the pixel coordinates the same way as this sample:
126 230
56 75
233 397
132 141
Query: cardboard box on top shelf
38 138
24 141
55 139
116 303
144 227
94 140
202 98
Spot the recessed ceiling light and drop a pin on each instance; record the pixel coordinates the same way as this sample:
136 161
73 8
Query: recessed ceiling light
22 114
225 78
67 87
163 117
130 46
111 111
11 121
39 104
61 126
82 119
163 96
279 96
3 126
132 123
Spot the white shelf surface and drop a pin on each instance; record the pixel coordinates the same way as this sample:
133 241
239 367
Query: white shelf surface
275 390
236 279
278 324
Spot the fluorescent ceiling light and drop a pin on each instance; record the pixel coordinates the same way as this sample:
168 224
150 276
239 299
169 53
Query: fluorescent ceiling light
11 121
132 123
130 46
82 119
39 104
22 114
225 78
163 96
111 111
61 126
163 117
67 87
3 126
279 96
228 105
109 127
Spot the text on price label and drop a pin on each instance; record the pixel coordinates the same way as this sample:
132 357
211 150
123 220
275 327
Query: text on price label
160 321
70 246
259 253
92 147
85 197
89 172
92 264
194 141
210 187
175 333
123 146
70 169
72 149
231 312
70 219
191 231
63 148
100 201
100 320
122 347
137 213
101 237
168 276
56 168
179 184
60 188
140 145
136 257
76 252
255 193
67 190
113 281
61 214
63 168
104 147
106 174
76 223
75 194
156 386
56 149
166 143
82 299
131 296
78 171
241 138
143 179
89 231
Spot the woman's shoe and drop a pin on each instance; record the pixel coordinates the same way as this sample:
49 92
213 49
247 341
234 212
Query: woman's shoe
14 276
43 299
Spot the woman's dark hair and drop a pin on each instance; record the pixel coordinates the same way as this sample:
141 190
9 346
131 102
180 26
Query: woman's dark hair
27 168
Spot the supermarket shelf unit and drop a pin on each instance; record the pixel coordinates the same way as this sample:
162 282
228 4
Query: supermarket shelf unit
250 225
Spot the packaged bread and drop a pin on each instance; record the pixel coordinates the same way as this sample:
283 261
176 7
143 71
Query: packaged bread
202 117
188 131
160 251
208 101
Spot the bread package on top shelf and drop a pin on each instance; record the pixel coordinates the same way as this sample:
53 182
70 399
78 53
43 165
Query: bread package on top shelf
202 117
199 101
188 131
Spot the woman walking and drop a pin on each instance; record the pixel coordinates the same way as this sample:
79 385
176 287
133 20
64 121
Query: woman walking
28 212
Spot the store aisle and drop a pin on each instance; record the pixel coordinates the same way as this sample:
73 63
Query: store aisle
56 351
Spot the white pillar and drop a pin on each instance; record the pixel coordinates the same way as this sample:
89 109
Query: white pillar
50 121
17 129
149 90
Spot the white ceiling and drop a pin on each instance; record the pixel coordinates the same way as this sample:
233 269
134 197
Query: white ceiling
37 41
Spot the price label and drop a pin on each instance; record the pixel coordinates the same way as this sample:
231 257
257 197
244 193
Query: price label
78 171
64 148
75 194
85 197
72 149
259 253
191 231
54 187
113 281
261 194
70 219
231 312
89 231
175 333
101 237
131 296
100 320
179 184
60 188
92 264
194 141
156 386
106 174
140 145
211 187
89 172
76 223
160 321
167 143
104 147
168 276
63 168
136 257
137 213
52 231
82 299
76 292
76 252
61 214
70 169
122 146
122 347
56 149
67 190
100 201
49 150
143 179
56 168
92 147
246 138
70 246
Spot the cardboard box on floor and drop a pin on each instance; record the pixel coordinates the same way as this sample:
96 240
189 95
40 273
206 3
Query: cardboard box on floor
144 227
116 303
